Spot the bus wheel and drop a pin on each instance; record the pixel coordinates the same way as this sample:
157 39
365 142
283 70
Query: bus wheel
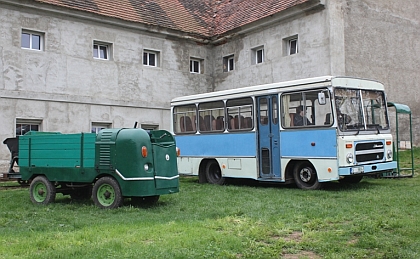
351 179
107 193
213 173
42 191
305 176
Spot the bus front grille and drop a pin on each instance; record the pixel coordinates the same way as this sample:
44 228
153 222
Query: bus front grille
369 151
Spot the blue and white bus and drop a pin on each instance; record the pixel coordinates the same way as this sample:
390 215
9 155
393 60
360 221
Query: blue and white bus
307 131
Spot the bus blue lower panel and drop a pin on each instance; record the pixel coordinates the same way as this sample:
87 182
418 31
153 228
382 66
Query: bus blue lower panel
307 143
218 145
368 169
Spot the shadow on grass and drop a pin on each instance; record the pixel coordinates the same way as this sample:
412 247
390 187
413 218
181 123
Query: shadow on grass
327 186
66 200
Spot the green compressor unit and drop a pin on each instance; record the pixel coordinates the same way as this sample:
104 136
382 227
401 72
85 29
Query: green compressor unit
109 166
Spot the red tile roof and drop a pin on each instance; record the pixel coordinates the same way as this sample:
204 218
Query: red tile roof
206 18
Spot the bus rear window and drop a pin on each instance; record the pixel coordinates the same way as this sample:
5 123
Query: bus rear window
184 119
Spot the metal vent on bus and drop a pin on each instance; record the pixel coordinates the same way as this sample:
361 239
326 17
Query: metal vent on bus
369 151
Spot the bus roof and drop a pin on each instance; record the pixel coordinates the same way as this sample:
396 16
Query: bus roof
271 88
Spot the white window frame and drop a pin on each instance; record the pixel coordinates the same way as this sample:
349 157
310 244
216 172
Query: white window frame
95 127
98 45
146 58
254 57
200 65
31 34
288 43
30 122
229 63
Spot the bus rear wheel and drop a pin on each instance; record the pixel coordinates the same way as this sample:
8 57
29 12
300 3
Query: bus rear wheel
305 176
213 173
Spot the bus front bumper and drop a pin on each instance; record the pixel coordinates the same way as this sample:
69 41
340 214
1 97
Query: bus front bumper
368 169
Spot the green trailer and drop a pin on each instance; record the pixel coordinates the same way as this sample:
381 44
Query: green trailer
109 166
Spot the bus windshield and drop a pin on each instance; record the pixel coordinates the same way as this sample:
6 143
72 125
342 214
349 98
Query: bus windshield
361 110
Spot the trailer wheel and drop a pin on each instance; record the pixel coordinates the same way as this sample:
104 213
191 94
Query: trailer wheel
42 191
148 200
305 176
107 193
213 173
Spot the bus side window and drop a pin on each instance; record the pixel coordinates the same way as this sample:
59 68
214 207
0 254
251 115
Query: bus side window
201 123
327 119
292 117
185 124
220 123
248 123
208 122
231 122
239 122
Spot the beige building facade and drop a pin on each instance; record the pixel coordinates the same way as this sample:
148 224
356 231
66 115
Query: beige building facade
73 70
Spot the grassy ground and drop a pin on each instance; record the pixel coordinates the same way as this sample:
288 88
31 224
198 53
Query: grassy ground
377 218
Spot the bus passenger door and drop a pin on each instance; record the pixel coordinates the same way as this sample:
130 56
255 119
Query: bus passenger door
268 136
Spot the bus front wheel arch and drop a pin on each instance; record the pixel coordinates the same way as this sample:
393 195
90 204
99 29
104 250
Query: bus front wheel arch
213 172
305 176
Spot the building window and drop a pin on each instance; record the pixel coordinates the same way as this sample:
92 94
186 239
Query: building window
228 63
32 40
24 126
149 126
257 55
196 65
98 126
102 50
291 45
151 58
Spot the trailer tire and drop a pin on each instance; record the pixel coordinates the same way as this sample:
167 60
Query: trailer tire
106 193
213 173
305 176
42 191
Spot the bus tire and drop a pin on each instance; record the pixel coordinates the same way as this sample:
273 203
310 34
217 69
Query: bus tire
106 193
213 173
305 176
42 191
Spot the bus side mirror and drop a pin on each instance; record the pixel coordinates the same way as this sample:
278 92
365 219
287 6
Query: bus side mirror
321 98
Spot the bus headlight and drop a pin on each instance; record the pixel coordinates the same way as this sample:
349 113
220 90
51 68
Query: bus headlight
349 158
146 167
389 154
